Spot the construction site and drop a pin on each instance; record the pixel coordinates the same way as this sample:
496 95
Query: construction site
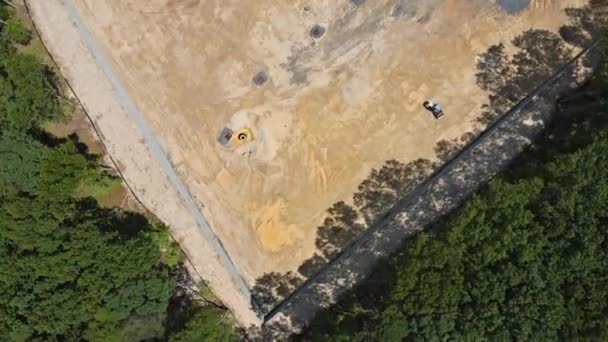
270 135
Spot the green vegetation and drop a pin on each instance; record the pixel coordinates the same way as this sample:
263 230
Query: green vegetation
16 31
98 186
526 258
206 325
70 269
28 96
171 255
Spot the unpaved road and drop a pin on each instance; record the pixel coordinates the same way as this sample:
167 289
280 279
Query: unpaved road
129 140
155 148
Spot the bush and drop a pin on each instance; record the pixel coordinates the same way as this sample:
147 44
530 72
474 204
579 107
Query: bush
206 325
16 31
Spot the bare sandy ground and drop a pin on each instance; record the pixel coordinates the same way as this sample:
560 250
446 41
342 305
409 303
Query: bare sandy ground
332 109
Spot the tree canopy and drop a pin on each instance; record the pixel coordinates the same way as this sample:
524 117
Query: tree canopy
205 325
69 269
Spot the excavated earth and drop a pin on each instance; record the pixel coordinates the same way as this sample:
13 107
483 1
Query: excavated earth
273 111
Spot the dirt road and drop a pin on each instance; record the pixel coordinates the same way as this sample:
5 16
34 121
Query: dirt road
129 140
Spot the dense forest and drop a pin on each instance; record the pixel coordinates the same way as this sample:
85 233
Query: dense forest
71 269
525 258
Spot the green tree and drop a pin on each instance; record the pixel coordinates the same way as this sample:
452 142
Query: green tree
67 267
61 170
206 325
28 96
14 30
69 270
72 269
19 166
526 259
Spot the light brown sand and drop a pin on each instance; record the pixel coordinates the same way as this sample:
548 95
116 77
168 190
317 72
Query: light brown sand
331 111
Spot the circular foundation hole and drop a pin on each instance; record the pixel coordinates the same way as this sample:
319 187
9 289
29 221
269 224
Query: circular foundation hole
242 136
260 78
317 31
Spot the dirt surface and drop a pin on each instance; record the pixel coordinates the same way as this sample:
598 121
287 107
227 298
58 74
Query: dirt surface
331 109
323 91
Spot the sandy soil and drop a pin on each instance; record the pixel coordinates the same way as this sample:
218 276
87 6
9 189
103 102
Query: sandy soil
332 109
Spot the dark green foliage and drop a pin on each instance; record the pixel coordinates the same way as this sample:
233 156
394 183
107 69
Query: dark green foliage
61 170
69 270
15 31
72 269
7 49
206 324
28 96
19 166
67 267
524 259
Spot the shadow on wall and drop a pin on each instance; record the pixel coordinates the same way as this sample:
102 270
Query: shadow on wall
507 79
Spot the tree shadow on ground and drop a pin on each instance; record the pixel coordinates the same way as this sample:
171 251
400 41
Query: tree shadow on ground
270 288
385 186
580 115
344 223
585 23
508 79
447 149
51 140
126 225
540 54
577 119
